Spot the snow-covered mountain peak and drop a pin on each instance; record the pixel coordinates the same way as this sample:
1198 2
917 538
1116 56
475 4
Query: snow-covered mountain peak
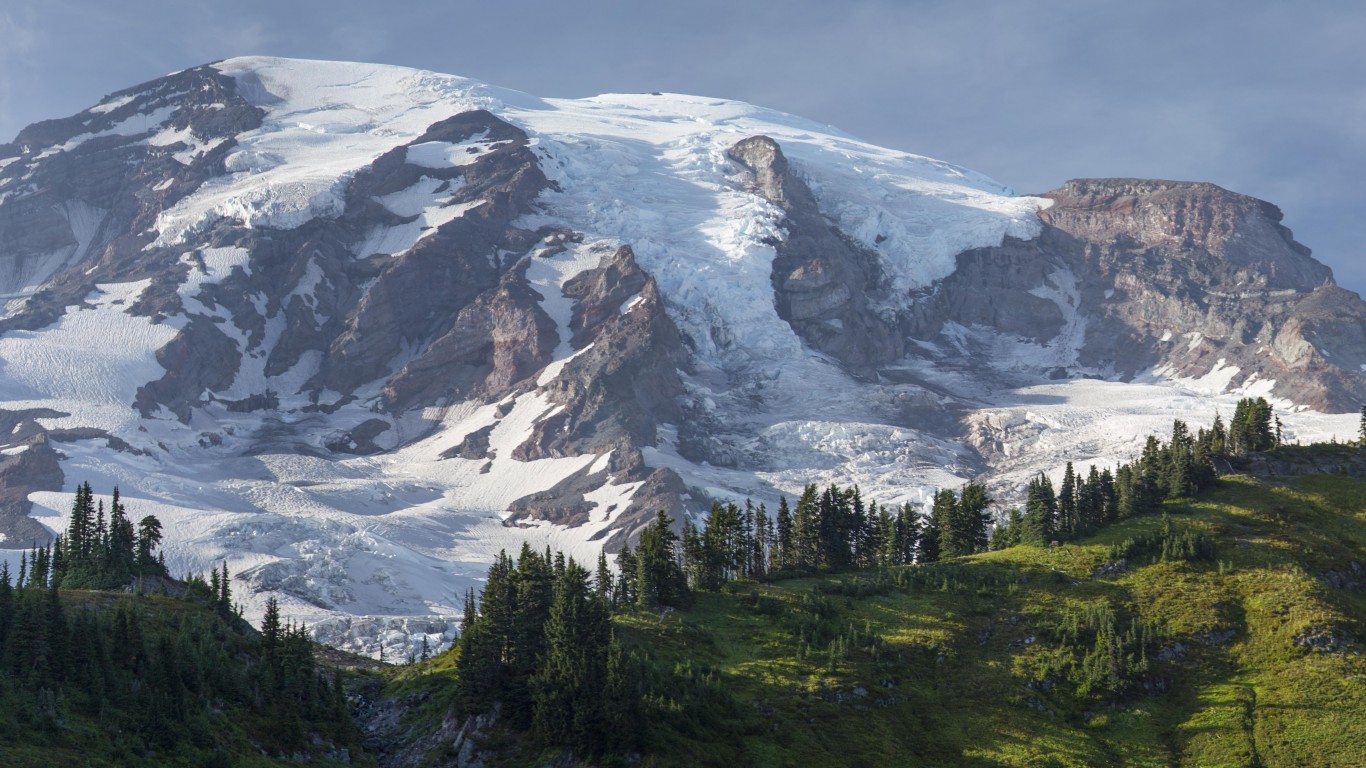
355 328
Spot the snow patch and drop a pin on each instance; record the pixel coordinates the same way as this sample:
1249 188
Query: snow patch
195 147
90 363
442 154
428 203
110 106
133 125
1062 288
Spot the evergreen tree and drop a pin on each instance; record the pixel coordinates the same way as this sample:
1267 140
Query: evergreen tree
660 580
272 630
907 537
1180 474
149 536
1040 515
225 590
573 673
930 535
1067 523
1109 503
784 545
943 516
602 580
627 571
622 721
1218 444
484 644
531 588
1091 501
885 538
973 518
1251 429
1014 529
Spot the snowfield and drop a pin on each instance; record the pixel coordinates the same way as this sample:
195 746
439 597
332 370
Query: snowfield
378 551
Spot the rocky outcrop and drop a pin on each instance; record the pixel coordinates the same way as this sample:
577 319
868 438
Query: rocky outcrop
421 294
1130 275
822 280
1291 461
34 468
625 380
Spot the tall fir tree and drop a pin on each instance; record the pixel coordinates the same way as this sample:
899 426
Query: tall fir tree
1066 524
784 546
1040 515
572 674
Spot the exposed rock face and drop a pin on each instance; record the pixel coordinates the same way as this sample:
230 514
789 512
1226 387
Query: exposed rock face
624 382
35 469
822 281
1236 242
1129 275
92 204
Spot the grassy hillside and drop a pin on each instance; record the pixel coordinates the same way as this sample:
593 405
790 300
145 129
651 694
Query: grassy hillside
1241 648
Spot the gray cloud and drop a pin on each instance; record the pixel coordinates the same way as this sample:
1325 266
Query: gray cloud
1266 98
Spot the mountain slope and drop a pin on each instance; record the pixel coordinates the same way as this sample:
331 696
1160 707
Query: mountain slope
1248 656
354 328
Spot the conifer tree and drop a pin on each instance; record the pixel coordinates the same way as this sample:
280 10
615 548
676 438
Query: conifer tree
602 580
627 571
942 514
885 544
806 529
1218 444
908 534
225 590
1015 524
972 518
660 580
1066 524
149 536
1109 505
272 631
1040 515
759 544
784 545
573 673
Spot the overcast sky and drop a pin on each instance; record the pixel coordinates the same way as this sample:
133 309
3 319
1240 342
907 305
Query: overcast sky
1262 97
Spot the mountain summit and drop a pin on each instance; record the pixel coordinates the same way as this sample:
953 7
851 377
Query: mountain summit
354 328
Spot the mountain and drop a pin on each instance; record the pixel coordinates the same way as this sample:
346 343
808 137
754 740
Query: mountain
354 328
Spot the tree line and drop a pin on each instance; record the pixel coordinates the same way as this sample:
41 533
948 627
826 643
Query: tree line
123 677
1178 468
95 552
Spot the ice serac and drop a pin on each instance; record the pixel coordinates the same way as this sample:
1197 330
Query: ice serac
1132 276
822 280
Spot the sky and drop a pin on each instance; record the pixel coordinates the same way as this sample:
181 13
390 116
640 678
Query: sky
1263 97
